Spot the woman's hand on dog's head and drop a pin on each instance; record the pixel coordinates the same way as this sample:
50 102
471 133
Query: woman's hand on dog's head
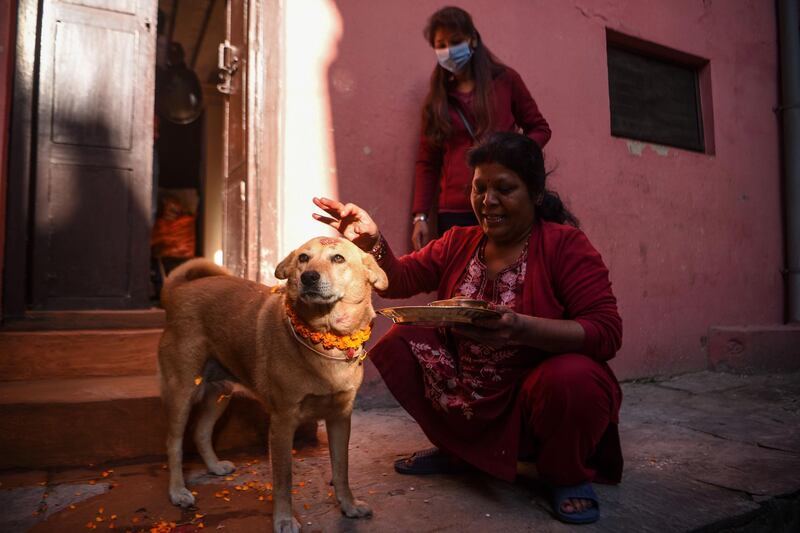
351 221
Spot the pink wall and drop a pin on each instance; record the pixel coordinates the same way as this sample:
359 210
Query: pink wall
692 240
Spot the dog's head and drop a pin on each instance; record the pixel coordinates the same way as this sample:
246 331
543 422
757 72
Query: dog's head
327 269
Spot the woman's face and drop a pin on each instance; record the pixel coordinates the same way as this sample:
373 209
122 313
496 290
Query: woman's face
502 203
444 38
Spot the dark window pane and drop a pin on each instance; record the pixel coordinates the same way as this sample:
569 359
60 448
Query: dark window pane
653 100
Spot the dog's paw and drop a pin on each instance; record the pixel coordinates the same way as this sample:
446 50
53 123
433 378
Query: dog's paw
222 468
287 525
181 497
356 509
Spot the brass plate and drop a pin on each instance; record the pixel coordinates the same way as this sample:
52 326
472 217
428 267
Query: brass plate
436 315
461 302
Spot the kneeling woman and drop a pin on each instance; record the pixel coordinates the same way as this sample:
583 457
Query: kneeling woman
531 384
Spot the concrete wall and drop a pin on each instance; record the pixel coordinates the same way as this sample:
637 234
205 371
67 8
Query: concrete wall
692 240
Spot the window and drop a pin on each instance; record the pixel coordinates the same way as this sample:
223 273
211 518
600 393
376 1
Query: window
655 93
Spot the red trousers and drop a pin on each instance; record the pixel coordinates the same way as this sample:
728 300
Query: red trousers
570 410
561 412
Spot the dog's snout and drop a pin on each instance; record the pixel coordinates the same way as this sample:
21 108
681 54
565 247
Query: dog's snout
309 277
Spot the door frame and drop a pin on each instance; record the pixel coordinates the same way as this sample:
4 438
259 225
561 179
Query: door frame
264 101
15 272
264 138
8 21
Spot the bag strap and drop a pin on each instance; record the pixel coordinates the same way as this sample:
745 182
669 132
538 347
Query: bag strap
466 123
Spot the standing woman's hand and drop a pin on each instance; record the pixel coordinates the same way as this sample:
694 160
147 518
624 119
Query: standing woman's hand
420 235
351 221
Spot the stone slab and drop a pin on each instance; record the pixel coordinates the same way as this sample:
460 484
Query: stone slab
92 420
754 349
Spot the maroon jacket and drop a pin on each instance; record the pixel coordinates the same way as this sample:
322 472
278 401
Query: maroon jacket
565 279
447 166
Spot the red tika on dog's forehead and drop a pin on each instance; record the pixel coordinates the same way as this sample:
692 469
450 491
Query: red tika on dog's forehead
329 241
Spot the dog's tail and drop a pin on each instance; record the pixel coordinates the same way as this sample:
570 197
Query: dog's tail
189 271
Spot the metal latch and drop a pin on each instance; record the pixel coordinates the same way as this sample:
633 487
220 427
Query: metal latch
227 65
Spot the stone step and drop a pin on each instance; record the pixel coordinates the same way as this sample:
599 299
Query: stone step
44 355
87 319
69 422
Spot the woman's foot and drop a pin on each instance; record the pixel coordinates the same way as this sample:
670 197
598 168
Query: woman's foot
429 461
577 504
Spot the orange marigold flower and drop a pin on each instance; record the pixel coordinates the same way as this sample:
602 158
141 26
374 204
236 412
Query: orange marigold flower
328 340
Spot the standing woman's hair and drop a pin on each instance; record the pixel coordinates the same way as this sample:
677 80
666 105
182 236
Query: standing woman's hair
522 155
484 66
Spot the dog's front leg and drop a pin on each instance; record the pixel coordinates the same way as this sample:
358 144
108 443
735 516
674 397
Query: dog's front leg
339 440
281 435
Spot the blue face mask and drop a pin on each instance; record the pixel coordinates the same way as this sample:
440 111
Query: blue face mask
454 58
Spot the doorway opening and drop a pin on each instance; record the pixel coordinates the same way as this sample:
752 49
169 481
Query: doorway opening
188 144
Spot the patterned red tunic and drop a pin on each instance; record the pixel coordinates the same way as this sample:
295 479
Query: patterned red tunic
474 371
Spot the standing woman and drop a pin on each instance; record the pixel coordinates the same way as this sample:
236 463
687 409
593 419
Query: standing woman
472 93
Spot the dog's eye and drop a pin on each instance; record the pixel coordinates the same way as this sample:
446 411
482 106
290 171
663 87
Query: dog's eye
303 258
338 258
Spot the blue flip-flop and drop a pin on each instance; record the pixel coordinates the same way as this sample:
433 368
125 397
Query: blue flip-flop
429 461
584 491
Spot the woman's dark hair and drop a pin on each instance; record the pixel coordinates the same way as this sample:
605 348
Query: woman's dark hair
522 155
484 66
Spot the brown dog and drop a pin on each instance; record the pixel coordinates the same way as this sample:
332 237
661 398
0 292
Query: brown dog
222 330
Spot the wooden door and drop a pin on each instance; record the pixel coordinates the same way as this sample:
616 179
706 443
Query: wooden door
233 83
91 210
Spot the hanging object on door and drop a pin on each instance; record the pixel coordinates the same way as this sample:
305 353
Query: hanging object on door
179 97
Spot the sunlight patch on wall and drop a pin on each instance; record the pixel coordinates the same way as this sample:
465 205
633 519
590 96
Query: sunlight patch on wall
312 33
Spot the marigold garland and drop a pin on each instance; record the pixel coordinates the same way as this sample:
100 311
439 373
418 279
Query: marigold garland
348 343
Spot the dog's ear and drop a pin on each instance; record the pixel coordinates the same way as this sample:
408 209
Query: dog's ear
282 270
377 277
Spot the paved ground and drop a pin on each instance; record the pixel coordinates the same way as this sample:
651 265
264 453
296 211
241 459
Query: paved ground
706 451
